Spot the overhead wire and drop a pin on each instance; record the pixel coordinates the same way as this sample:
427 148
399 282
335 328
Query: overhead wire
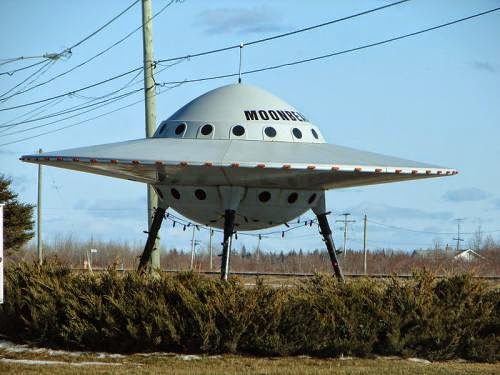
393 227
12 72
38 73
86 120
55 56
85 109
69 49
225 48
79 107
101 52
337 53
31 114
275 66
85 105
73 91
278 36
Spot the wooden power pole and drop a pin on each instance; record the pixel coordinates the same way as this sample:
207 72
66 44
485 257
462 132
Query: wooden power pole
150 112
39 215
364 245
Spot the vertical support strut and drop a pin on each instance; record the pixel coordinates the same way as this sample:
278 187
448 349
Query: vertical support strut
228 232
152 236
327 236
320 211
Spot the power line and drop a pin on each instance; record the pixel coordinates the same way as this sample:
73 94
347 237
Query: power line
31 114
74 91
94 106
55 56
11 72
265 68
216 50
98 54
302 61
84 121
278 36
424 231
41 69
11 124
102 27
77 107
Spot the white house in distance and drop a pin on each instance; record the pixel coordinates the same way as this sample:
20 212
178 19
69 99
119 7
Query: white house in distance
468 255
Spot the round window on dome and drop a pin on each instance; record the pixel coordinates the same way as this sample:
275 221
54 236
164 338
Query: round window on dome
206 129
292 198
238 130
270 132
314 133
200 194
297 133
180 129
175 193
265 196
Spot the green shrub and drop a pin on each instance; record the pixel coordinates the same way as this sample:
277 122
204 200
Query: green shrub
453 317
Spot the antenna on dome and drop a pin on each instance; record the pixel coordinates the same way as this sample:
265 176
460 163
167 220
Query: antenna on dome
239 71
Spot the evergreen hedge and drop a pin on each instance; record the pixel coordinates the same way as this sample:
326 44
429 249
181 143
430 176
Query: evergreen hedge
437 319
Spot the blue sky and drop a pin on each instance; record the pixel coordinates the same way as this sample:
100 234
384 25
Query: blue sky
433 98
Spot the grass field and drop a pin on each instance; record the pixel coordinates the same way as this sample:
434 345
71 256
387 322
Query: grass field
165 363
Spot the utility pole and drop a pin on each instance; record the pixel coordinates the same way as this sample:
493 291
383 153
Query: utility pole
211 233
193 244
258 248
364 245
150 112
345 221
1 253
458 239
39 215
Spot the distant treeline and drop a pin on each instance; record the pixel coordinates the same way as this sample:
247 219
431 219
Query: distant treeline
112 254
438 319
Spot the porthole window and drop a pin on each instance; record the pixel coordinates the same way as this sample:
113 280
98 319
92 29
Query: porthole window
264 196
292 198
175 193
297 133
270 132
180 129
314 133
207 129
238 130
200 194
312 198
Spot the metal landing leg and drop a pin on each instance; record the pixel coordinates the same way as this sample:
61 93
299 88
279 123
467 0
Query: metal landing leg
327 236
228 232
150 242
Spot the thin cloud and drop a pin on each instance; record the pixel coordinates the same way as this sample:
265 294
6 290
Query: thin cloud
238 20
466 195
484 66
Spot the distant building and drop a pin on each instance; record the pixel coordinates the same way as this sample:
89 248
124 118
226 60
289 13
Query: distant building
468 255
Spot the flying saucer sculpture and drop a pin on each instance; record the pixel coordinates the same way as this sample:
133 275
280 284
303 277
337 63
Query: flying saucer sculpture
239 158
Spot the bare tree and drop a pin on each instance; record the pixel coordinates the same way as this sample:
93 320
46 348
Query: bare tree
476 241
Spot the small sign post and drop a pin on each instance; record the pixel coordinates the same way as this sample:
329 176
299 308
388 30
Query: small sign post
1 253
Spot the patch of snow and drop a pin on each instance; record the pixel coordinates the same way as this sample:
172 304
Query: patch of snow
419 360
40 362
10 347
188 357
157 354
